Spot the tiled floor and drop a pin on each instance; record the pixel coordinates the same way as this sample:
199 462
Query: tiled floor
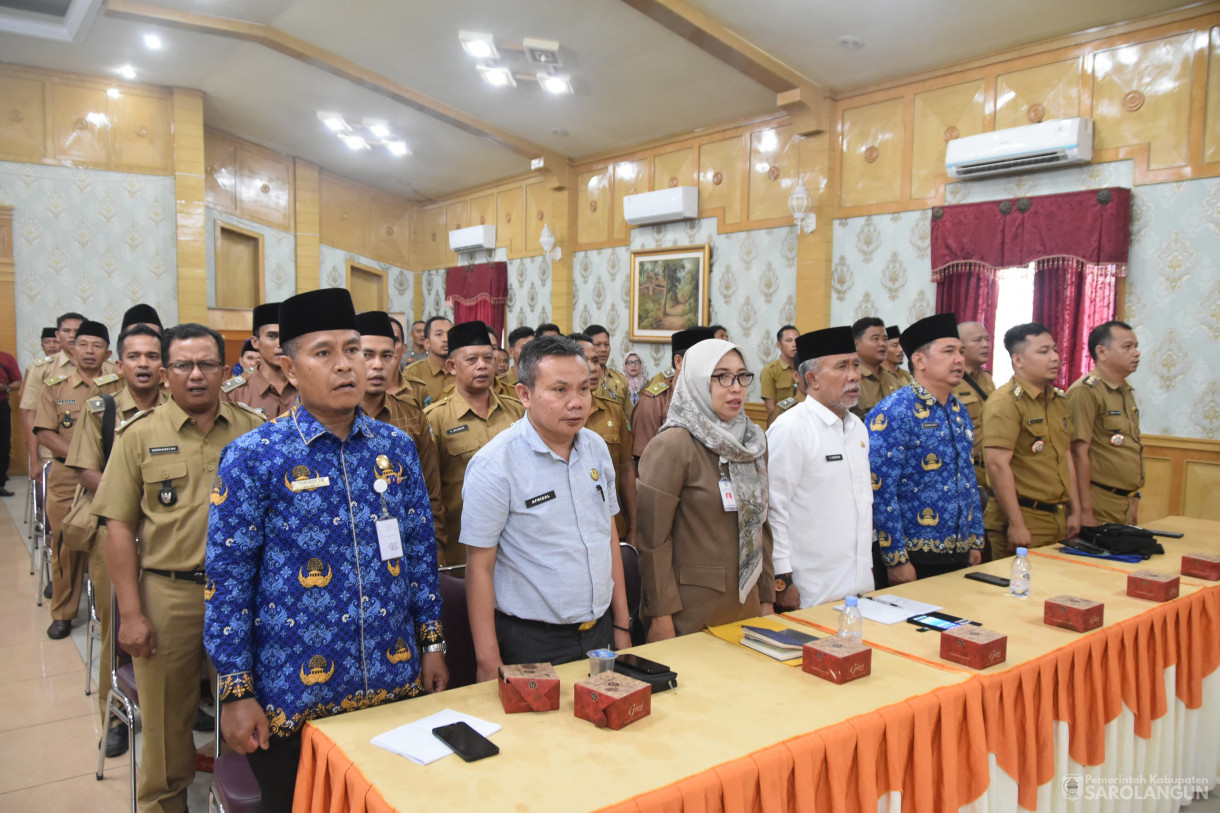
49 729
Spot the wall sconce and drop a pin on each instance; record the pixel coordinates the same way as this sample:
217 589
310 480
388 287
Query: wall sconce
799 203
547 241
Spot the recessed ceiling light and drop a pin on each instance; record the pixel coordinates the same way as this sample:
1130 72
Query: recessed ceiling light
398 148
555 83
378 128
850 42
353 142
334 121
126 71
479 46
497 76
113 93
152 42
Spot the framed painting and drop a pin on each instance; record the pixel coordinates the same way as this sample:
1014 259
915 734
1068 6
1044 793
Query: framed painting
668 291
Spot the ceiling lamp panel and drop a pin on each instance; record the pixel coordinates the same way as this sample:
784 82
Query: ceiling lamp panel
479 46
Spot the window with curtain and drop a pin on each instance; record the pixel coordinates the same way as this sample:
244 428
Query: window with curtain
1074 244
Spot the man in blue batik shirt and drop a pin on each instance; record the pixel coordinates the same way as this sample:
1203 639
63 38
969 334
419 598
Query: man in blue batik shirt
322 589
926 514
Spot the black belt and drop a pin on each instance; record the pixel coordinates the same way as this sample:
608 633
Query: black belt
1048 507
193 576
1119 491
60 460
580 626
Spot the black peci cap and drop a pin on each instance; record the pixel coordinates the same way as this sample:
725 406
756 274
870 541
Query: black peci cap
830 341
468 334
375 323
48 333
684 340
940 326
266 314
892 332
314 311
91 328
141 314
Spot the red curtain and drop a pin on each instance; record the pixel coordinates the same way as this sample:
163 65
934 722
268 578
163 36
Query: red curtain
478 292
1071 298
969 292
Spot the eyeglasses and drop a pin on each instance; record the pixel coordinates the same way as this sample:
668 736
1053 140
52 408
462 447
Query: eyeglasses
206 366
727 379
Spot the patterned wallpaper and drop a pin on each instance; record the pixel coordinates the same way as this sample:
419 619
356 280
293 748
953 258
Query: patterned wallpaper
753 288
89 241
333 274
279 256
432 287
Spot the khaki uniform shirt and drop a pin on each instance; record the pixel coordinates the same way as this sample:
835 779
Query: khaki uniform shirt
159 478
777 381
433 381
902 375
85 453
1038 431
407 416
49 367
256 392
510 377
650 412
873 389
973 403
63 399
459 432
616 383
1106 416
609 421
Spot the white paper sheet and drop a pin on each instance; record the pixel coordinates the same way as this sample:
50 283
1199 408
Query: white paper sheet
891 609
416 742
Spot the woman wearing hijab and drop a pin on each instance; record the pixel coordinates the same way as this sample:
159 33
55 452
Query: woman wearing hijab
701 512
633 370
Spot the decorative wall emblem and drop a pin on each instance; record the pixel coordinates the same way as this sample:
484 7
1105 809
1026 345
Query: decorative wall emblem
773 172
893 276
951 133
871 155
841 279
1035 113
717 178
1133 101
673 182
1176 260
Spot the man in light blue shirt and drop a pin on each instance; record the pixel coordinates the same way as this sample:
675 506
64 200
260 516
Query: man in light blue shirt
544 578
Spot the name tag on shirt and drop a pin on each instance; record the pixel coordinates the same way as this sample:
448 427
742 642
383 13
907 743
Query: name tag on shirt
163 450
533 502
831 458
310 484
931 424
1033 421
726 494
389 540
457 429
1114 412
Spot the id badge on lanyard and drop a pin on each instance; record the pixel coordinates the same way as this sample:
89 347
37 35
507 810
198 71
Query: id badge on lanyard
389 538
728 497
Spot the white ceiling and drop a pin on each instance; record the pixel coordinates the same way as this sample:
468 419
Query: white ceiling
634 80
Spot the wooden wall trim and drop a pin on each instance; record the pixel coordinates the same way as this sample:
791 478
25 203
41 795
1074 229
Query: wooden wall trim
189 209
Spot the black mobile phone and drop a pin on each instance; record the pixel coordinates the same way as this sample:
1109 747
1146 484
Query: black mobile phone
998 581
940 621
465 741
639 664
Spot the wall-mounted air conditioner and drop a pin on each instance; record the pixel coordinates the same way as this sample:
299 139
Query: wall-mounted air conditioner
1046 145
472 238
662 206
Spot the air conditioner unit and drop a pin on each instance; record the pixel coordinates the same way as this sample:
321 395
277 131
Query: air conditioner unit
472 238
662 206
1046 145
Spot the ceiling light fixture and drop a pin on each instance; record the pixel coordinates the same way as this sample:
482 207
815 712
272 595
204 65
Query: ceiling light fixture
126 71
555 83
98 119
543 52
334 121
496 76
353 142
397 148
113 93
479 46
152 42
378 128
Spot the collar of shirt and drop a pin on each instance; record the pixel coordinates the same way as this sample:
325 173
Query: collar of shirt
310 428
1027 389
536 442
1123 387
178 418
433 369
63 360
262 385
827 415
929 399
493 403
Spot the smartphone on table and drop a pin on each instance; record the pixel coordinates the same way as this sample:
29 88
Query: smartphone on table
465 741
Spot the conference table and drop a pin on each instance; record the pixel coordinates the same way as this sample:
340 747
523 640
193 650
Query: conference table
1067 717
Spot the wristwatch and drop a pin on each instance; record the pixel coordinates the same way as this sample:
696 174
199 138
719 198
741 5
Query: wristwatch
439 646
782 582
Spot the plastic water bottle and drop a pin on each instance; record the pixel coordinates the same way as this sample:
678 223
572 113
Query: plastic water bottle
851 623
1018 583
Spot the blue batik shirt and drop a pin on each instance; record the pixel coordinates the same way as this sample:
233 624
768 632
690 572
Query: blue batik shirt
301 612
925 493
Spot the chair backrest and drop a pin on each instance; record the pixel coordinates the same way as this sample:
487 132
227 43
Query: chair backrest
631 577
116 651
455 621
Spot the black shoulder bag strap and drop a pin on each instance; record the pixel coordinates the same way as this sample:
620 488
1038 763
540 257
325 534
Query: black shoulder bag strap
108 421
966 377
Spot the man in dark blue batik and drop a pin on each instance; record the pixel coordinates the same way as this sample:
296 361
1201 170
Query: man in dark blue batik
322 589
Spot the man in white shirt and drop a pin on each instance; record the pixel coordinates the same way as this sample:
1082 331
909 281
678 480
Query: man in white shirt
821 494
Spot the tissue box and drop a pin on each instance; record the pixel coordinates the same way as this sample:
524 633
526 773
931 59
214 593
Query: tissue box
838 660
1152 585
1073 613
613 700
529 687
973 646
1202 566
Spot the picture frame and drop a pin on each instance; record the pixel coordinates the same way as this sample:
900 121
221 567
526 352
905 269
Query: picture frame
669 291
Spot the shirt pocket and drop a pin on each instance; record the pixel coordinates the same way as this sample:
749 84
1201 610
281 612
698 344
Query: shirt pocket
156 473
464 444
712 578
1114 423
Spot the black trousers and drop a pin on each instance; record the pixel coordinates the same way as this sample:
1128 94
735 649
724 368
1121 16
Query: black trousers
924 570
528 642
276 772
6 439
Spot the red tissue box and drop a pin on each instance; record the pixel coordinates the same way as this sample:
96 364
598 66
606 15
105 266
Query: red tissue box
613 700
1072 613
1202 566
529 687
973 646
1152 585
838 660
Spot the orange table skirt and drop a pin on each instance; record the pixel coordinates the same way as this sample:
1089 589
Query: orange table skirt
933 748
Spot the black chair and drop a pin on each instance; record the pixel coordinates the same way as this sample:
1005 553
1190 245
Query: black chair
234 788
455 621
631 583
123 701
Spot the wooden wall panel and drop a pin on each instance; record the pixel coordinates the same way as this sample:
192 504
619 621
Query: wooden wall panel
941 116
674 169
510 221
1182 477
434 237
773 170
220 174
389 236
264 186
79 128
539 212
140 134
722 173
592 206
23 125
630 178
457 215
1157 500
1054 88
344 215
871 154
1211 138
1201 485
483 210
1141 95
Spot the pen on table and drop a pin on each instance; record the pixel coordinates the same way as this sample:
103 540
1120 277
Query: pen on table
883 601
